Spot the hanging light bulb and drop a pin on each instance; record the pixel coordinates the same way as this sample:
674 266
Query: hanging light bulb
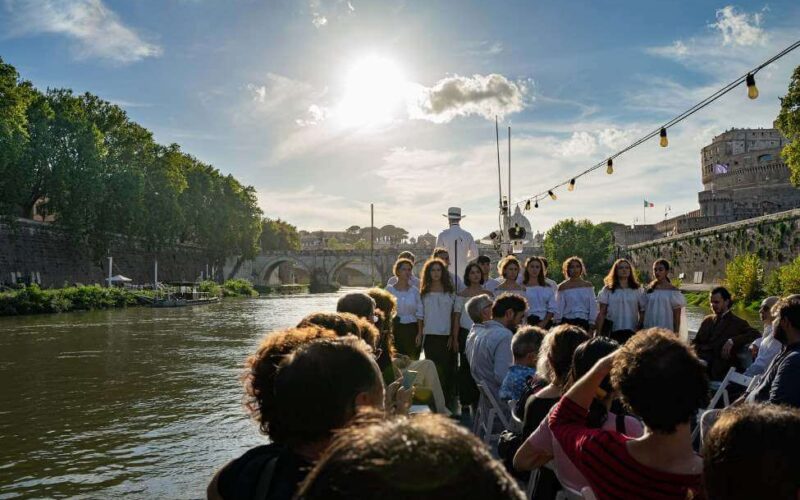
552 195
610 167
536 204
571 185
752 90
664 141
528 205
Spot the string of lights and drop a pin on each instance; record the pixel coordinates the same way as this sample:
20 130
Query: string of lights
661 131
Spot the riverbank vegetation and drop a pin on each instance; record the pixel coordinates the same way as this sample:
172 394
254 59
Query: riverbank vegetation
592 242
79 162
34 300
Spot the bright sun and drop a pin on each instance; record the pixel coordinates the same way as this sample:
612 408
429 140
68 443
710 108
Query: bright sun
375 88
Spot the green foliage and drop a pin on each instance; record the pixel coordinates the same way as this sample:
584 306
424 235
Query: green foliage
590 242
744 277
279 235
33 300
789 124
238 288
210 287
789 277
772 284
83 161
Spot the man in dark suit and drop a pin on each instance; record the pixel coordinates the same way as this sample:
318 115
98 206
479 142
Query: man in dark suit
722 335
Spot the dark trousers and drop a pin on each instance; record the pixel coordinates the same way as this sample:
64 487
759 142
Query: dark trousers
577 322
445 360
405 339
466 387
533 320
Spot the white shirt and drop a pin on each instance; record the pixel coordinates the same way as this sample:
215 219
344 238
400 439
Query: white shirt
491 285
409 304
768 348
464 320
413 280
624 305
437 311
463 253
541 300
659 306
577 303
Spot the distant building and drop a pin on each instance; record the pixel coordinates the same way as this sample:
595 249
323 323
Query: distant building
743 177
426 240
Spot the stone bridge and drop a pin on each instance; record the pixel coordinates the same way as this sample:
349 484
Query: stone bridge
321 268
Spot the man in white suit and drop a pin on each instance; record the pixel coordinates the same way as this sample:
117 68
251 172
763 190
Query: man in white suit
458 242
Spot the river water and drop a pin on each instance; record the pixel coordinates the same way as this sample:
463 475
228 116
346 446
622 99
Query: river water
139 402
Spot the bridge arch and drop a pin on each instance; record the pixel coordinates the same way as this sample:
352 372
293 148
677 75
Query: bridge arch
272 265
360 266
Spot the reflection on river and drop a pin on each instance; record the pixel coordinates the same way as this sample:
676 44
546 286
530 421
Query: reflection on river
141 402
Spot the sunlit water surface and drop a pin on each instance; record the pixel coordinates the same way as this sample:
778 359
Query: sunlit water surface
139 402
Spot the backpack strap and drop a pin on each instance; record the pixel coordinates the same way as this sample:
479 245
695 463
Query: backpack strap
265 478
621 423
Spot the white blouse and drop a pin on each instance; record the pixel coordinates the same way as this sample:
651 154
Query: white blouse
409 304
659 306
577 303
437 311
461 307
624 305
541 300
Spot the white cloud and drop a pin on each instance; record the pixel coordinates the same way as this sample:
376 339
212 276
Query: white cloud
677 50
276 91
314 116
319 20
324 11
580 144
96 30
484 48
483 95
739 28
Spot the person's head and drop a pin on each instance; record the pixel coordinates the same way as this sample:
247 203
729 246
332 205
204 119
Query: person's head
479 308
534 272
358 303
585 357
473 274
405 254
765 310
621 272
485 262
435 271
786 326
660 379
343 324
261 368
427 457
555 355
385 302
661 270
441 253
753 451
403 268
573 267
525 345
509 309
720 299
508 267
320 386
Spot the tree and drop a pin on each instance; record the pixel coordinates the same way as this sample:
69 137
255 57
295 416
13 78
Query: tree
789 124
15 96
279 235
590 242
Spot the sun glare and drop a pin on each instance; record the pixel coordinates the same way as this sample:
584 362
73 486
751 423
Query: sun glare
374 91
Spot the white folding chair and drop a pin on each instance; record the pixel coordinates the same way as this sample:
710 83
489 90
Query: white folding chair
532 483
491 411
516 423
732 377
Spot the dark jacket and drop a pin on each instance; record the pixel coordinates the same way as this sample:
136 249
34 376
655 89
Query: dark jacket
781 382
712 335
250 476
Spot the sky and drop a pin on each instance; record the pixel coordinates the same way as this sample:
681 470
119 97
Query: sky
327 106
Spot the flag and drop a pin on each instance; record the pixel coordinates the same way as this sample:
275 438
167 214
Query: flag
647 204
720 168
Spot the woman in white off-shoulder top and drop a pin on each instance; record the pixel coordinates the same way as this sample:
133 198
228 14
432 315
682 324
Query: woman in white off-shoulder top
621 303
540 295
665 306
575 300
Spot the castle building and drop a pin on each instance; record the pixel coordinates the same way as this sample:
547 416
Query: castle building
743 177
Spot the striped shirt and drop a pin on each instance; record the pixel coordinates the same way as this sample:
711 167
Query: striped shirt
603 458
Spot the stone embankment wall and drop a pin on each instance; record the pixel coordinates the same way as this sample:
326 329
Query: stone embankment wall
774 238
40 253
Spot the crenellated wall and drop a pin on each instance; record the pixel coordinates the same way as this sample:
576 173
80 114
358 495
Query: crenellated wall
774 238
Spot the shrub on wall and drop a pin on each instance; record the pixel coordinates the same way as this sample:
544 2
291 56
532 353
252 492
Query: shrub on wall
744 277
789 277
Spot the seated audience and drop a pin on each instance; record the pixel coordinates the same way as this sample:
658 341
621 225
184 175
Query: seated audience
301 385
722 336
753 451
525 347
539 448
764 348
344 324
491 357
426 457
659 379
780 384
479 309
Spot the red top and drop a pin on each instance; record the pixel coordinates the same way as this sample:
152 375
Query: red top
601 455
